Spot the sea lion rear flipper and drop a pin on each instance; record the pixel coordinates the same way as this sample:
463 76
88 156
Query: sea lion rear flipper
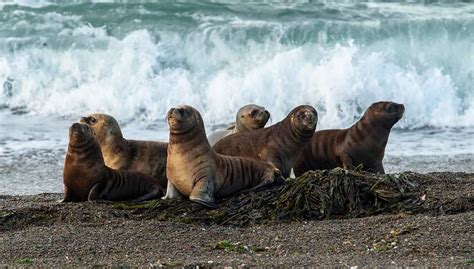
202 193
346 161
260 187
149 196
95 193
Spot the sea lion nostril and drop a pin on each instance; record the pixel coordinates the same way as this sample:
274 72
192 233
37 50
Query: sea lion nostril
76 125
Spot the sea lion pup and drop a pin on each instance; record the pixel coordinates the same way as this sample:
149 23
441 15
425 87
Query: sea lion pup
249 117
86 177
363 143
147 157
279 144
194 170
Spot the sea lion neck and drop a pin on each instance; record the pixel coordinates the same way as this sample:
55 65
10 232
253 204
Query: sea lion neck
193 138
240 127
377 124
373 130
86 153
115 146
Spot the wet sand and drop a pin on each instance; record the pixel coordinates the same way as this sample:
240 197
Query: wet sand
38 231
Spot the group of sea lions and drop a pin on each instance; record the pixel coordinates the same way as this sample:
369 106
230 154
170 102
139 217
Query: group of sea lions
101 165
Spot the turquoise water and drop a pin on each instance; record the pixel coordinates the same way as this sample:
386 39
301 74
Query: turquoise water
135 60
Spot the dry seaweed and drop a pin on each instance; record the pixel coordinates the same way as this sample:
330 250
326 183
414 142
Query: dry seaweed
336 193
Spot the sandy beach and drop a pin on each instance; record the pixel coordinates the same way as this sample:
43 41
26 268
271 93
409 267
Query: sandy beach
135 60
38 231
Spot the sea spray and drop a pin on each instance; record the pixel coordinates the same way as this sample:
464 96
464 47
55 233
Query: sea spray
134 61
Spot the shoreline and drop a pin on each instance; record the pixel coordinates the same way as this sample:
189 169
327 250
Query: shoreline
40 171
44 232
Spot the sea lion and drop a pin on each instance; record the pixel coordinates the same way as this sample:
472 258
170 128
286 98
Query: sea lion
147 157
86 177
363 143
279 144
249 117
194 170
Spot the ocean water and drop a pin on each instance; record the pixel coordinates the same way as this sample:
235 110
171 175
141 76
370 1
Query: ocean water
136 60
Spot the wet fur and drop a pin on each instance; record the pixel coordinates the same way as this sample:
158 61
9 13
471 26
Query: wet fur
147 157
279 144
86 177
363 143
196 171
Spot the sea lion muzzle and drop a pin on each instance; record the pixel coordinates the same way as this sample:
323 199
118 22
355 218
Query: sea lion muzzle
308 118
400 109
174 116
260 117
78 129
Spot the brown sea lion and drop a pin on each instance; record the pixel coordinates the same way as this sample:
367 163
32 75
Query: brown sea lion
363 143
279 144
147 157
86 177
248 118
194 170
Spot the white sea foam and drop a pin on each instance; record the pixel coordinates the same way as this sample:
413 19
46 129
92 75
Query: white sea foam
138 76
72 67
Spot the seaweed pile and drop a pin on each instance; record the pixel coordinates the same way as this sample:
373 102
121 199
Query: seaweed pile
336 193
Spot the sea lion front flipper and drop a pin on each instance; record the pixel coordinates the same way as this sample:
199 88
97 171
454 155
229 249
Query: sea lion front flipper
172 192
68 196
346 161
378 168
203 192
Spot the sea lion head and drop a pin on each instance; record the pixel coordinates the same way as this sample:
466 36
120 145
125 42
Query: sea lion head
252 117
105 127
184 119
80 134
385 113
304 118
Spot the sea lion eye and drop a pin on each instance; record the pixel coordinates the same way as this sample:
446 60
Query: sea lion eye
253 113
389 108
93 120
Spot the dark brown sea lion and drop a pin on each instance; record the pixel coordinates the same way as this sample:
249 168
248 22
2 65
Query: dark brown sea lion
86 177
248 118
194 170
147 157
363 143
279 144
